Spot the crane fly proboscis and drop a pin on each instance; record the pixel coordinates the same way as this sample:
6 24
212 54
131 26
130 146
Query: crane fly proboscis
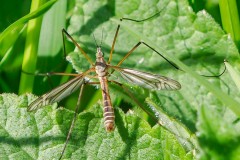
101 71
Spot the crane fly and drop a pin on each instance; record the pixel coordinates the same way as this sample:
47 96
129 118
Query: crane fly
102 70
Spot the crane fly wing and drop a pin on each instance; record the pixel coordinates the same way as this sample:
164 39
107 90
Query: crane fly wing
148 80
57 94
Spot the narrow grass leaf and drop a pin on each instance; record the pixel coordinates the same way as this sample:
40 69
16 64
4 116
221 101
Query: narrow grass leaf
16 26
31 51
230 19
235 75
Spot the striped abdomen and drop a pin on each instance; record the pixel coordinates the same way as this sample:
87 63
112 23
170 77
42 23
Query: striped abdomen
108 112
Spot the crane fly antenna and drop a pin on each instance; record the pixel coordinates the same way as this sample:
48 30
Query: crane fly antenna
101 38
95 40
73 121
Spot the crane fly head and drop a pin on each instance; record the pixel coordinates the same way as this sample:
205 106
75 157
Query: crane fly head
99 53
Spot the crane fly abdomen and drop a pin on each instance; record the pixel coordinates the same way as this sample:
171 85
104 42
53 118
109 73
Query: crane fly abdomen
108 111
109 117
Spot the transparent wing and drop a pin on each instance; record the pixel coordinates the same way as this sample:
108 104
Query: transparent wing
148 80
57 94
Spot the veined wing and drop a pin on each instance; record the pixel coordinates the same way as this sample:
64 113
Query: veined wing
148 80
57 94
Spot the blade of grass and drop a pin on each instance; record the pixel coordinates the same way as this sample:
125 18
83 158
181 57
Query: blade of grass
50 55
51 37
230 19
7 46
234 74
31 48
13 30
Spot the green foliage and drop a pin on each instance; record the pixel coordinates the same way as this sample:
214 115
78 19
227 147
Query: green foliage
31 51
202 117
41 135
218 134
230 19
13 30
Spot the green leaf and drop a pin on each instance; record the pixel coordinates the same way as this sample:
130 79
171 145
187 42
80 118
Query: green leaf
184 135
218 134
193 41
176 32
41 135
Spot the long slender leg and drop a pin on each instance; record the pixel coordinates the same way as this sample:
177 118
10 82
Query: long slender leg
49 74
139 43
63 74
174 65
216 76
136 101
136 46
80 48
113 44
142 20
118 27
57 74
73 121
185 138
64 32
